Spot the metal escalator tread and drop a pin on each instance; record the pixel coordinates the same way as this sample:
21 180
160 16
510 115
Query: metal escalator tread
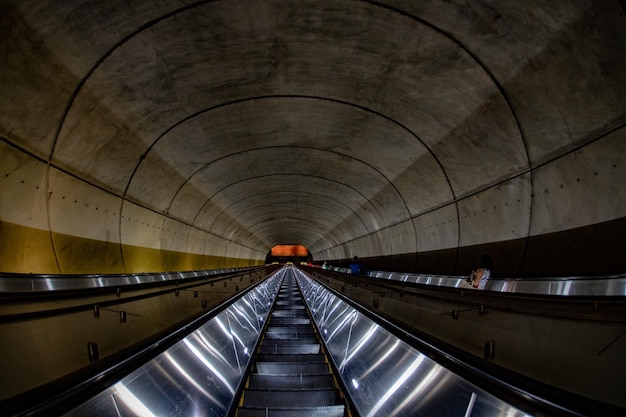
293 382
288 357
290 375
289 398
304 348
290 368
290 342
323 411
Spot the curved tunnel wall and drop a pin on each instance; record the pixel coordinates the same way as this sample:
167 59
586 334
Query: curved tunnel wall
53 222
132 141
86 224
532 225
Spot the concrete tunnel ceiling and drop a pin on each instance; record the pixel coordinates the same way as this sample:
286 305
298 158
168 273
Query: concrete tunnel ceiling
350 127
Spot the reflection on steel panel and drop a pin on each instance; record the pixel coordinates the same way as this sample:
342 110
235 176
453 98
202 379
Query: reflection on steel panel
385 376
613 285
200 374
27 283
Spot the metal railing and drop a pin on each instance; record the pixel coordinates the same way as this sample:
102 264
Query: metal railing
30 283
607 285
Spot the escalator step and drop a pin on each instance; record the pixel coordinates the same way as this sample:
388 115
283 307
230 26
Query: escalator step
300 328
289 313
285 305
304 348
287 368
306 358
289 335
282 399
283 321
290 342
290 382
290 375
328 411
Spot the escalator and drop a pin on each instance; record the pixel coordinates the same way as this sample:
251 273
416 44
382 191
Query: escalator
290 375
290 346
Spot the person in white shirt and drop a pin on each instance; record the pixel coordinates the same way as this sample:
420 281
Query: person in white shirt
479 276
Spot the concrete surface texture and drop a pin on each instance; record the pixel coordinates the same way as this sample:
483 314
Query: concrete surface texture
160 135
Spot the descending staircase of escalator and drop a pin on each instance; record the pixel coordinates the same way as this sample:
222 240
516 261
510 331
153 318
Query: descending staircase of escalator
290 375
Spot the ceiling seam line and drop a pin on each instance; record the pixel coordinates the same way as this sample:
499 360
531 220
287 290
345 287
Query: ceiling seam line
294 192
234 219
282 174
107 54
276 96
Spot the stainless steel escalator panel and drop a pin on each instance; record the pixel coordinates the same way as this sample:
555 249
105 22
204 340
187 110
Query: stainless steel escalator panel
607 285
384 375
28 283
199 375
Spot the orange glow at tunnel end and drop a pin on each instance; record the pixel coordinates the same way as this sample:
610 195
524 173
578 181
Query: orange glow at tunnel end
289 250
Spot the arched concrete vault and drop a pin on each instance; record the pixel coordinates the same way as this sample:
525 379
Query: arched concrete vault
417 135
334 209
362 209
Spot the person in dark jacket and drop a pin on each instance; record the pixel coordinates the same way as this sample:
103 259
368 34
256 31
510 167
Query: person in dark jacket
355 266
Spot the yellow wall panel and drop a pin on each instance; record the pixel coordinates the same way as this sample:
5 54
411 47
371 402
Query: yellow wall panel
138 259
26 250
82 256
